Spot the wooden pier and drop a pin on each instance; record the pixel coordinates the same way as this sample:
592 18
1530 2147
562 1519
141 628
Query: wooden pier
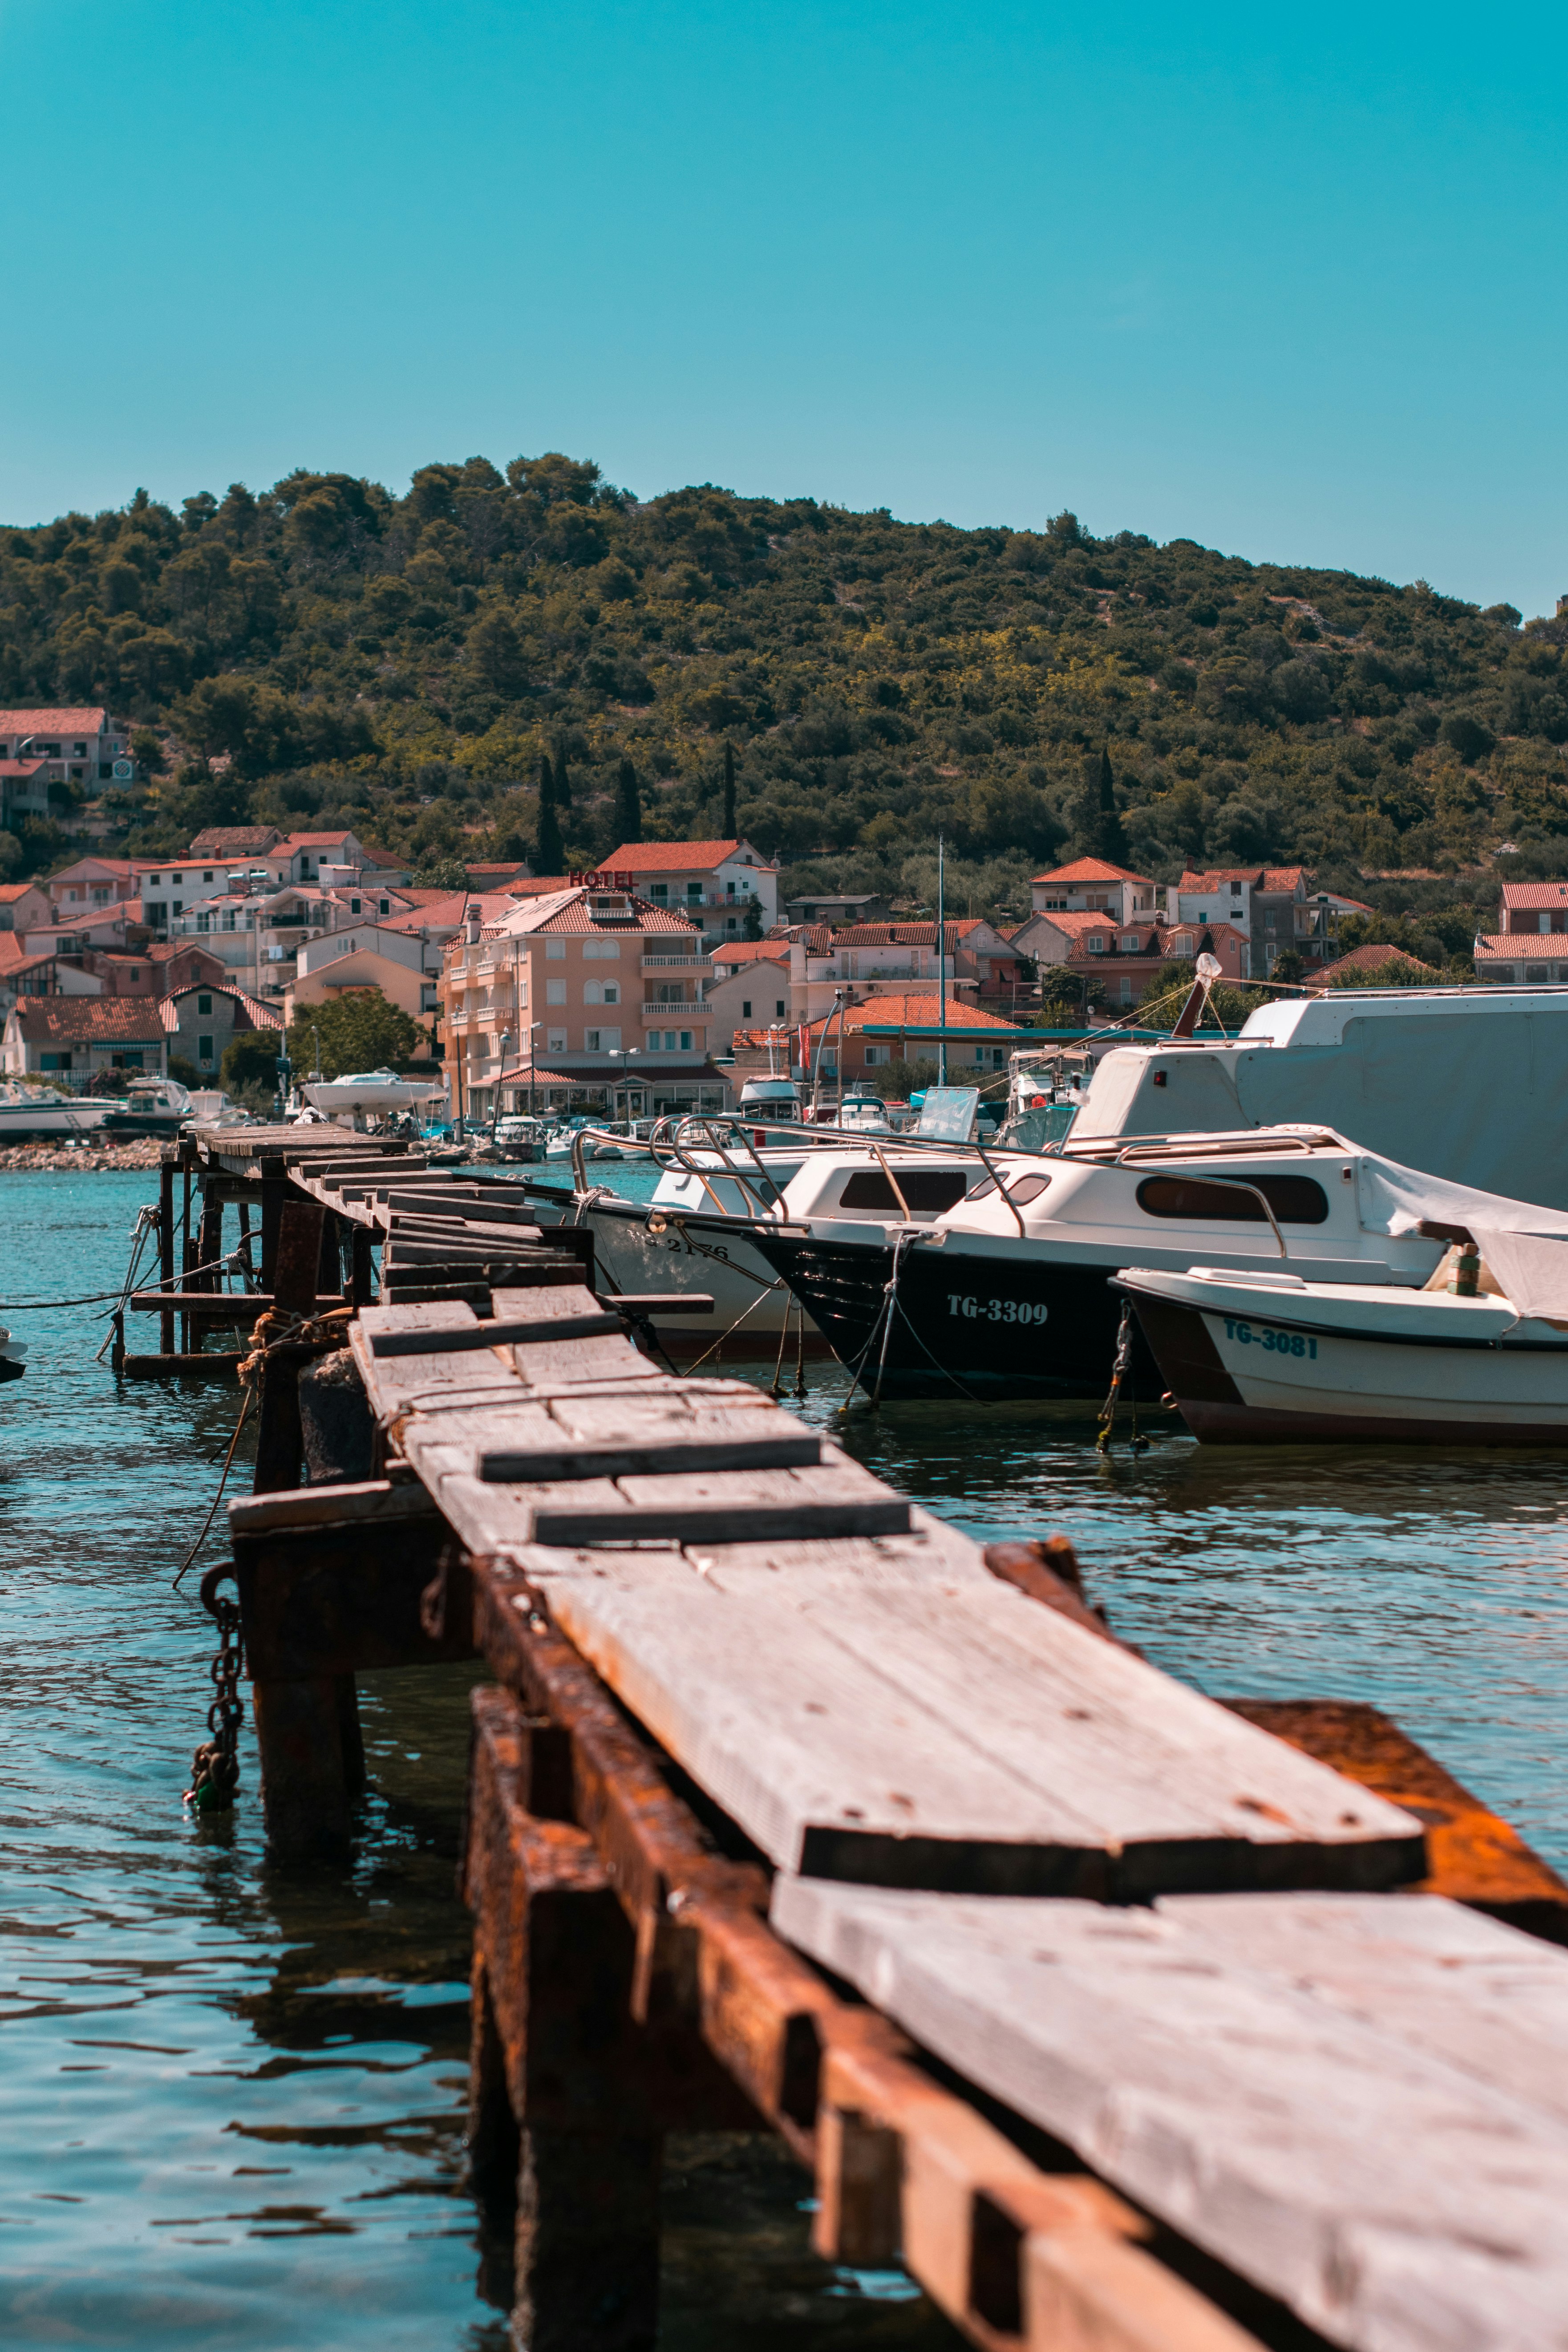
1125 2019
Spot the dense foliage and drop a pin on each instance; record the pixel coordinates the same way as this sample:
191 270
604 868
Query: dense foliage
325 652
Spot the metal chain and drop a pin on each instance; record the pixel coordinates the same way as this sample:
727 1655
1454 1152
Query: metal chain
215 1767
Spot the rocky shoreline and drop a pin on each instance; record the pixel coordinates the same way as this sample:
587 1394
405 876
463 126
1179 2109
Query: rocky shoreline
74 1159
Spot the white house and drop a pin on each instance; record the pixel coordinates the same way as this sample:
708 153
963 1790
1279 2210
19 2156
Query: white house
74 1037
712 882
1093 886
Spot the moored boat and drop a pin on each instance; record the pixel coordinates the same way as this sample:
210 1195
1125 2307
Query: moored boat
1272 1358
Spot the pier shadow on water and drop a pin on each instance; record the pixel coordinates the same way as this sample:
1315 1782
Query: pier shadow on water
234 2095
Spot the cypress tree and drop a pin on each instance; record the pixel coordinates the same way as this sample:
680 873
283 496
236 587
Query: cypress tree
729 832
562 781
1110 839
550 855
628 803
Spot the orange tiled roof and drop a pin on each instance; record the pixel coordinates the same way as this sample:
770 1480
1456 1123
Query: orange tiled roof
672 857
86 1020
1092 869
93 721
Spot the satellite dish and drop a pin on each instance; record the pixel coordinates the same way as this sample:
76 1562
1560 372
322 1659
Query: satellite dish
123 771
1208 967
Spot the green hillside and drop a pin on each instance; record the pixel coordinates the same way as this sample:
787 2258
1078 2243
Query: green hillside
402 664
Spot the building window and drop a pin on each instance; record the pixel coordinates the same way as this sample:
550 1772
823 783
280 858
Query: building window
54 1061
746 1008
204 1050
875 1054
555 992
590 1041
779 1006
556 1041
685 1041
658 892
555 951
204 1005
1097 944
612 992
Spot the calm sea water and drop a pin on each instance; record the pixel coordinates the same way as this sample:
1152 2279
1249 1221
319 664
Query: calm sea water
233 2095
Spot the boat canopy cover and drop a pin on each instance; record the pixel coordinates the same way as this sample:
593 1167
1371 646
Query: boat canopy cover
1526 1247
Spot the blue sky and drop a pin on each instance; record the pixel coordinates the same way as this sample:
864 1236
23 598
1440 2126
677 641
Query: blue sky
1289 284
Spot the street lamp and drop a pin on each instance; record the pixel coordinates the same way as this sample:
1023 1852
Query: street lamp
495 1100
623 1053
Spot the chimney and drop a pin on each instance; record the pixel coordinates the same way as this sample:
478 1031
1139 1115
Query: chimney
471 928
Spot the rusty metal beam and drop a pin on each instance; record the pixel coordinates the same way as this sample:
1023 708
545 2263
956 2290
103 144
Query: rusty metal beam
1015 2257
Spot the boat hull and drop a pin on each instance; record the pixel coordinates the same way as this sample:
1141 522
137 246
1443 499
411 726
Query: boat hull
989 1328
1239 1380
639 1250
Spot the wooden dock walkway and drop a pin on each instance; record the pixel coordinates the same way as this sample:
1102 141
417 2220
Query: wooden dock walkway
1125 2019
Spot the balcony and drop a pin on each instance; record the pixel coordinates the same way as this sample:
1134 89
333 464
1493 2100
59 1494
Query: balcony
692 964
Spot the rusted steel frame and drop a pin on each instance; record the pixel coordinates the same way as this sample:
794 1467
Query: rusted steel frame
902 2165
1473 1856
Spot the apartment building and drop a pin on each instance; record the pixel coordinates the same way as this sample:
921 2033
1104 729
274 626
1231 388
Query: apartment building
589 992
39 747
1276 905
714 883
78 1036
1533 942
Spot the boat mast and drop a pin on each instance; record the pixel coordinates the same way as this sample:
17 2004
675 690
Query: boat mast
941 960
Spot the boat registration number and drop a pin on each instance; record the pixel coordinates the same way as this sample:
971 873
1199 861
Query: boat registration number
995 1310
1278 1343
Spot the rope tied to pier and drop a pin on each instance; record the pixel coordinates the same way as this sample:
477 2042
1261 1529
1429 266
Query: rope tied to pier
279 1329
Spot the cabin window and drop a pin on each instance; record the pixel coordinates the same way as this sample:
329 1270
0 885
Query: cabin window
930 1188
1295 1199
1026 1189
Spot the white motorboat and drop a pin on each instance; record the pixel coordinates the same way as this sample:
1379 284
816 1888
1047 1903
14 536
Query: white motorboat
369 1090
1272 1358
1008 1293
12 1353
40 1114
698 1232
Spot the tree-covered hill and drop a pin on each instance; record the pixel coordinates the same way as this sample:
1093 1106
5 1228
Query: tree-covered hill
324 651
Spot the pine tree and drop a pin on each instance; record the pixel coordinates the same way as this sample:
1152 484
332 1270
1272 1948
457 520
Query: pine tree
628 803
728 832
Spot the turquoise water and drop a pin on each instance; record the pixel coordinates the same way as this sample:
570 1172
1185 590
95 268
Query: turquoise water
233 2094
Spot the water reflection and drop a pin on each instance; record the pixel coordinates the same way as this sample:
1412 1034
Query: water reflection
234 2095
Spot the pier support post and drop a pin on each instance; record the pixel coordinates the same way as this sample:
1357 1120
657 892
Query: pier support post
557 2069
166 1245
361 1282
279 1446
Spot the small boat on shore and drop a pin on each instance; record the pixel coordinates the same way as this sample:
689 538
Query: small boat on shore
42 1114
1272 1358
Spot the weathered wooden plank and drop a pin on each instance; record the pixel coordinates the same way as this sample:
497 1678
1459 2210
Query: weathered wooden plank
514 1331
1332 2097
558 1361
857 1735
391 1384
834 1497
1149 1759
373 1503
625 1440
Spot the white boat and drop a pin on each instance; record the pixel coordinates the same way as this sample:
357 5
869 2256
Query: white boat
41 1115
1272 1358
1008 1294
369 1090
698 1232
1471 1083
12 1353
